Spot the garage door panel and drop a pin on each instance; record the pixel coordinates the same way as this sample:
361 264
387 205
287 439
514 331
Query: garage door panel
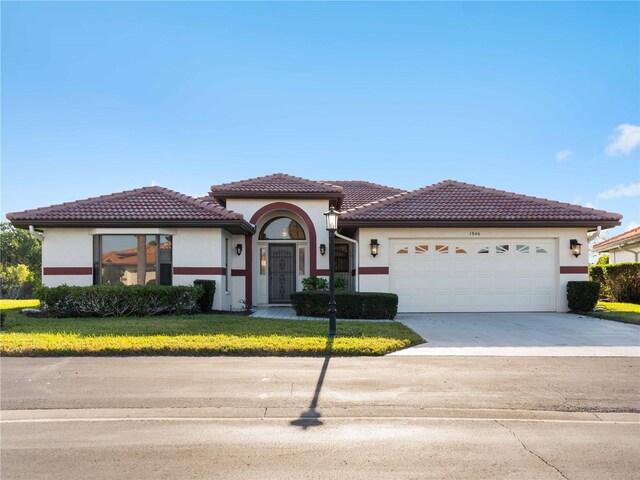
441 275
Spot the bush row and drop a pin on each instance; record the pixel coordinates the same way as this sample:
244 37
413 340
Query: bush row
368 305
620 282
118 301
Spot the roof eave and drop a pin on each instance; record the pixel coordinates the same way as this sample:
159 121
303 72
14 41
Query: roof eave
234 226
477 223
627 242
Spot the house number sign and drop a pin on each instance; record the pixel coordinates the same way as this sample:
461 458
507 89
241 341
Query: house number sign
474 234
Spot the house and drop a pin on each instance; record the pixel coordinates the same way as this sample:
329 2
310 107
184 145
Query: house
621 248
447 247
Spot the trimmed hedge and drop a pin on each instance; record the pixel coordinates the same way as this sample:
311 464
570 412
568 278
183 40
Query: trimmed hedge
582 296
367 305
209 290
620 281
119 301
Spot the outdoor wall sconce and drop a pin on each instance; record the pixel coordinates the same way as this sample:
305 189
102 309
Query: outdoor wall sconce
239 249
323 249
374 247
575 247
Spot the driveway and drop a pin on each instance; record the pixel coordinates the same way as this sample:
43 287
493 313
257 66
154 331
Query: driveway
521 334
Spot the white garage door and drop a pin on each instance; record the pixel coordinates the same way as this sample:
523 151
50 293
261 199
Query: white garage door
446 275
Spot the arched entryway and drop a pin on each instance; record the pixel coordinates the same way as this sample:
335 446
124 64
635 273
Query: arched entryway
283 252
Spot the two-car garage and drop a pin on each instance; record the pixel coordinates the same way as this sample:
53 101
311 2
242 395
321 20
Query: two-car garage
475 275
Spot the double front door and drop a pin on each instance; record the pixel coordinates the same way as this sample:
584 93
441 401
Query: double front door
282 272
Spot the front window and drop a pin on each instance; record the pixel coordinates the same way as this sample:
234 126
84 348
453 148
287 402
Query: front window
282 228
132 259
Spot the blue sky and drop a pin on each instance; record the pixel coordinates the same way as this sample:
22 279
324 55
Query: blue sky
537 98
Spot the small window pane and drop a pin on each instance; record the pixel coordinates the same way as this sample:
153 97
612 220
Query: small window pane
263 261
301 265
483 250
421 249
502 248
442 248
403 251
460 250
540 250
522 248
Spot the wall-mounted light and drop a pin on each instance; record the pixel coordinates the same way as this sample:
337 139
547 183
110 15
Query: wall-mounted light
239 249
323 249
374 247
575 247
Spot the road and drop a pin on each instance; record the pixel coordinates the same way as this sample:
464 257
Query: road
278 418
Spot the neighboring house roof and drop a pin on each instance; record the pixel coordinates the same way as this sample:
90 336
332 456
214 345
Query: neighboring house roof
358 192
625 239
155 206
130 255
278 185
461 204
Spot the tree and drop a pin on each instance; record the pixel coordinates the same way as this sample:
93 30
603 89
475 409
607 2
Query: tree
17 247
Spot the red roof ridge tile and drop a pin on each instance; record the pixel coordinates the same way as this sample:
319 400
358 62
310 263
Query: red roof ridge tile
230 186
375 202
627 234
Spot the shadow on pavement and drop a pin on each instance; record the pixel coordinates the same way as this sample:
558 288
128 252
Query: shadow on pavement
311 417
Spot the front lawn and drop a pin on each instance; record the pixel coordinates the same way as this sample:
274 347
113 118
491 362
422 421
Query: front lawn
196 335
620 312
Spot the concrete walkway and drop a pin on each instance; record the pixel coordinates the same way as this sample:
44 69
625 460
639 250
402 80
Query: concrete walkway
521 334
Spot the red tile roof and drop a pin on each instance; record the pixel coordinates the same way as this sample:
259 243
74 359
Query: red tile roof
449 201
358 192
152 204
276 183
630 236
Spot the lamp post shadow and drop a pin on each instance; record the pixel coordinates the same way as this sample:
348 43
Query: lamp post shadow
311 416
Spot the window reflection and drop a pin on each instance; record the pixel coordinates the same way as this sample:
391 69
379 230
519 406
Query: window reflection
282 228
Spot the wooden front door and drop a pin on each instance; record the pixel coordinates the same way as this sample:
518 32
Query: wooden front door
282 272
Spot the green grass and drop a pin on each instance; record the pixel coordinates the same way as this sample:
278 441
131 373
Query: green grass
196 335
620 312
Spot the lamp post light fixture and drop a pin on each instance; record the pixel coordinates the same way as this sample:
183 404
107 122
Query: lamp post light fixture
323 249
575 247
373 245
239 249
332 225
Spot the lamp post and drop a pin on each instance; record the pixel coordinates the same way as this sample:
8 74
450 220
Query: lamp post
332 225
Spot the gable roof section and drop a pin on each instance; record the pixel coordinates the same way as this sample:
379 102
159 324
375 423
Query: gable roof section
451 203
630 237
277 185
358 192
153 206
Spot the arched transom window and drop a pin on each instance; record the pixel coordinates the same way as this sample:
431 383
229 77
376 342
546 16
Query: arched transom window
281 228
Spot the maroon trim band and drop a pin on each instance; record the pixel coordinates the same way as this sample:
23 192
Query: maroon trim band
584 269
237 272
199 271
374 270
67 271
322 272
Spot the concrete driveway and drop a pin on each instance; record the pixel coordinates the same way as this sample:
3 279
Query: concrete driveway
521 334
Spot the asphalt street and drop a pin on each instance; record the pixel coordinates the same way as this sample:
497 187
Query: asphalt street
276 418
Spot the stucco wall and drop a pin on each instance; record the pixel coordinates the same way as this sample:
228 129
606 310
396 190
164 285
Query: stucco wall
621 256
193 248
380 282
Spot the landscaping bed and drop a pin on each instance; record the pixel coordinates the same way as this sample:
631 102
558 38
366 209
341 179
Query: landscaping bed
200 334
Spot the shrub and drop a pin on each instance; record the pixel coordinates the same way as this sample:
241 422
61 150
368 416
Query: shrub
341 285
623 281
603 260
582 296
366 305
312 284
209 290
620 281
2 315
119 301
